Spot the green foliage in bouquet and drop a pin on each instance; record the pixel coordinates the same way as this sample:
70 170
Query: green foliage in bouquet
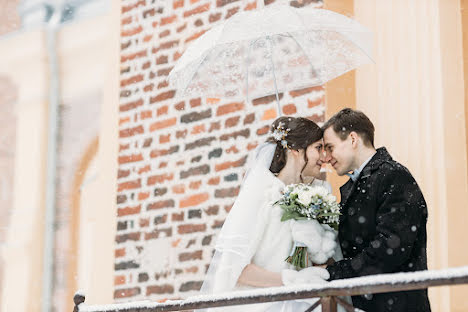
304 202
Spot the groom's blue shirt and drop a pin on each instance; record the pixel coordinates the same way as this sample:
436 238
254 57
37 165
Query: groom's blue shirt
355 174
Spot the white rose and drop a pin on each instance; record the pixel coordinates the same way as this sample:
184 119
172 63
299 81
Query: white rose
323 192
305 197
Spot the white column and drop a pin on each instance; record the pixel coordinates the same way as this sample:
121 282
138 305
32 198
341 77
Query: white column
415 96
106 183
24 60
90 62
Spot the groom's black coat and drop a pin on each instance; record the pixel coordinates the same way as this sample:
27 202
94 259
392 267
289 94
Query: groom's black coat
383 230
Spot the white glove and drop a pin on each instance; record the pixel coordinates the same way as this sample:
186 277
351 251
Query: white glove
311 275
315 271
288 277
320 240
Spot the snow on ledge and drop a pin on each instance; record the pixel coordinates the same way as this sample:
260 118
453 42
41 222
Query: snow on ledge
345 284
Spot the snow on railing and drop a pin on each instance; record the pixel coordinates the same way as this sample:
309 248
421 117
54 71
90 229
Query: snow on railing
328 292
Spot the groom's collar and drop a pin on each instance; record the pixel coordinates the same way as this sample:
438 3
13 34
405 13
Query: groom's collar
370 164
380 157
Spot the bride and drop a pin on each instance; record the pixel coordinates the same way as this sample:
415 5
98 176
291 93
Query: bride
253 244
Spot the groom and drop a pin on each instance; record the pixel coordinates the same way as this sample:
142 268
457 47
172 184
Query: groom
384 214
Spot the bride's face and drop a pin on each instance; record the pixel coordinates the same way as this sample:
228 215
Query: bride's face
315 159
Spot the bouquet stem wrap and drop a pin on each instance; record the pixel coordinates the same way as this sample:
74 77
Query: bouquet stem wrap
299 257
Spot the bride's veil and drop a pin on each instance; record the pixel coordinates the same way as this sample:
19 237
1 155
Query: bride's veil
238 238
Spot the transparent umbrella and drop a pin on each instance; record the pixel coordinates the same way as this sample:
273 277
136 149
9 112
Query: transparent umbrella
271 50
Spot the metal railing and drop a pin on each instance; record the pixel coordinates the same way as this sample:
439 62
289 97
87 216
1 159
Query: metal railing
328 293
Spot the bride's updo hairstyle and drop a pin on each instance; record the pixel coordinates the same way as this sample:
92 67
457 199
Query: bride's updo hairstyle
300 133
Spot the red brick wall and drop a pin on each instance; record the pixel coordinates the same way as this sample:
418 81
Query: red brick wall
181 160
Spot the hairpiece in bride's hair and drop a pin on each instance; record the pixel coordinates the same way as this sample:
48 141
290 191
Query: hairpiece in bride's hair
280 133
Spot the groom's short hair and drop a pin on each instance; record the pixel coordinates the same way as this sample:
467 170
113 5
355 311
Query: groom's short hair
348 120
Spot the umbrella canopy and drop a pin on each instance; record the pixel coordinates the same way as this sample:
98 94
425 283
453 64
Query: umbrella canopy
272 50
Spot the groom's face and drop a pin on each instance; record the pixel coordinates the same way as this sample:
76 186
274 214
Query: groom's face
339 153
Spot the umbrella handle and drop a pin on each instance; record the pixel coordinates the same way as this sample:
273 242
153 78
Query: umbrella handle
260 4
270 43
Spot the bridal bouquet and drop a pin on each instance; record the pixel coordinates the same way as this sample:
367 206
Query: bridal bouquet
305 202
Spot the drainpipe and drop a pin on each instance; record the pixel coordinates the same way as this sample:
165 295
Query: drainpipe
51 30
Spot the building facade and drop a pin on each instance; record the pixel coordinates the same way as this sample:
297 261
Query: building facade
145 178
